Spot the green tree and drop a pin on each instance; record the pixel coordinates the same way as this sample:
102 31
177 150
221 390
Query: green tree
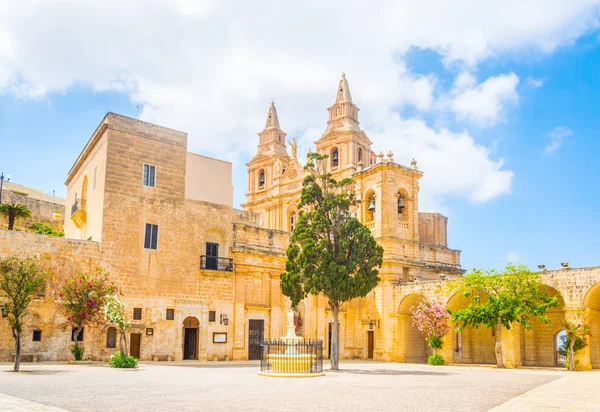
14 211
330 252
114 313
84 298
499 299
20 281
577 332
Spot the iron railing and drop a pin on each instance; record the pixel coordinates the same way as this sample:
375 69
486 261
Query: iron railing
216 263
79 204
297 357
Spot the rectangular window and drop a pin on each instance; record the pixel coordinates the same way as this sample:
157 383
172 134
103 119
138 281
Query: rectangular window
94 179
79 338
212 253
149 176
151 237
212 315
137 313
37 335
170 314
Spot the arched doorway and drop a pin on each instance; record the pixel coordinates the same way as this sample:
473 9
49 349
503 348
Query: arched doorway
412 345
190 338
592 306
559 349
471 345
538 344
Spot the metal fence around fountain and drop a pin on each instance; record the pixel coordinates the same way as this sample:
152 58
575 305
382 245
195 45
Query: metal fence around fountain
305 356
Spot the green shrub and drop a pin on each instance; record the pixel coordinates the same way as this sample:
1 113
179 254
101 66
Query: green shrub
435 342
435 360
118 360
77 352
44 229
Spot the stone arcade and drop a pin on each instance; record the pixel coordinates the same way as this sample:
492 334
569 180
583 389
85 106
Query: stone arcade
201 279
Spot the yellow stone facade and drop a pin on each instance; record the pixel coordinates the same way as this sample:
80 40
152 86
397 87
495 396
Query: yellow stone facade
206 283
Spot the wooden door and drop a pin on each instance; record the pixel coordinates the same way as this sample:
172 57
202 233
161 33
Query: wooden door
135 344
190 343
370 344
255 337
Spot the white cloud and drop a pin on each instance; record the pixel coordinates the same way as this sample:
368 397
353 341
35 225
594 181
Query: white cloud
557 136
210 68
482 103
535 82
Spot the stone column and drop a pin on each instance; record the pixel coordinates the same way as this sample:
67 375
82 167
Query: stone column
239 319
447 350
511 346
203 341
582 355
404 322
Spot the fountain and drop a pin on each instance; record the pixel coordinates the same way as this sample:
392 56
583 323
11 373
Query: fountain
293 363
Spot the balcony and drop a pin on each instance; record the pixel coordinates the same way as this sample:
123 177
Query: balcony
216 263
78 214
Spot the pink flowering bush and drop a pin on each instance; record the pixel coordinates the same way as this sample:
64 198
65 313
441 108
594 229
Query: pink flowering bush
83 299
431 318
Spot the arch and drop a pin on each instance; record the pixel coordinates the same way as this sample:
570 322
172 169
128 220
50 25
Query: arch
369 207
412 345
359 155
84 188
262 176
402 205
471 345
191 334
591 302
560 354
293 220
538 346
335 157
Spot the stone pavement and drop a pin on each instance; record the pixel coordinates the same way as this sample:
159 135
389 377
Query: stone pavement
359 386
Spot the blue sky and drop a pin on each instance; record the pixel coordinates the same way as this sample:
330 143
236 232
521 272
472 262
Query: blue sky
502 122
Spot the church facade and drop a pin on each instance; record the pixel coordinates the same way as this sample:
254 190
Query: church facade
201 279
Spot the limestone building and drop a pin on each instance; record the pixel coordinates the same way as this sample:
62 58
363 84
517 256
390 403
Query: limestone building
201 279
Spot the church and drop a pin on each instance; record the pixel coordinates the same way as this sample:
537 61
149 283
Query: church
200 278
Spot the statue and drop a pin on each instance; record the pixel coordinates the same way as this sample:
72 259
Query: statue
298 322
290 317
277 167
294 146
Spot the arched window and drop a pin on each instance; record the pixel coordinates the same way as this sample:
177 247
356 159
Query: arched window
370 206
402 206
359 155
111 338
292 221
261 178
335 157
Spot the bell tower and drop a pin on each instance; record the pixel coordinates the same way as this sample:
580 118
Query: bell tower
343 140
269 162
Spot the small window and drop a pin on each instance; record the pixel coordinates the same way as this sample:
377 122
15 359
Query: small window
292 221
111 337
335 158
261 178
151 237
359 156
37 335
149 176
212 315
94 179
137 313
79 338
170 314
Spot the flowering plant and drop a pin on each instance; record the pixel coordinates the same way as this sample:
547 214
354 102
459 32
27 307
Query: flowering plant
114 313
576 333
431 318
83 298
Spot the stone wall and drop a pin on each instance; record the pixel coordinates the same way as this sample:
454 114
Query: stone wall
50 210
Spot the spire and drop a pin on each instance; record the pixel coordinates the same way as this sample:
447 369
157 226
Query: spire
343 94
272 119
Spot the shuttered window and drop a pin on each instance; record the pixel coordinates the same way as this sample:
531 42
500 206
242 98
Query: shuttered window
151 237
170 314
149 176
137 313
212 315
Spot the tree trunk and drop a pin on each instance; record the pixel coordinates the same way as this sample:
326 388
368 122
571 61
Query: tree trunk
572 355
498 349
11 221
17 336
123 342
335 339
76 337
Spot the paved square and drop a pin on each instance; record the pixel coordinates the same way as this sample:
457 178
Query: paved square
234 387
